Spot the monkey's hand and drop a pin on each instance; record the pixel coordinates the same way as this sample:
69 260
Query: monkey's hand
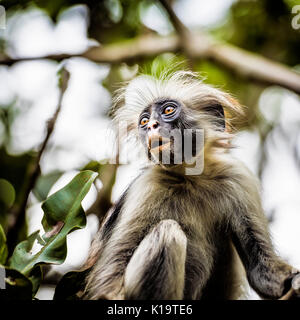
294 292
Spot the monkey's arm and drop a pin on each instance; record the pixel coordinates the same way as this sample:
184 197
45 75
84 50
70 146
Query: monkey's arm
267 274
93 283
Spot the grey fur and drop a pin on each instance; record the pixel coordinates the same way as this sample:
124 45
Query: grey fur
193 226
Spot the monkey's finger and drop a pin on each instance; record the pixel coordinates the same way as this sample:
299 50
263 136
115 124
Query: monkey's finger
289 295
296 284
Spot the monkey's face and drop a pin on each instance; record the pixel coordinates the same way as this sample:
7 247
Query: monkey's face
163 129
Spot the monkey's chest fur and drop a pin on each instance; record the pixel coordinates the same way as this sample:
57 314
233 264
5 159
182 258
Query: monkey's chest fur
201 208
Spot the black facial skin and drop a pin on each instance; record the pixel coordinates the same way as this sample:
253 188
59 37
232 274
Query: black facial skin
167 126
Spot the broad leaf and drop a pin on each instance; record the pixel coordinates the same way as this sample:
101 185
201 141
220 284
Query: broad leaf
14 169
63 213
20 258
71 286
44 184
16 285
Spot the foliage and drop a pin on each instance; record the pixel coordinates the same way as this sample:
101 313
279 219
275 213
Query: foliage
62 214
252 25
259 23
13 173
71 285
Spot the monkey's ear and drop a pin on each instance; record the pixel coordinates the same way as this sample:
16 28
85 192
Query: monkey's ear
218 115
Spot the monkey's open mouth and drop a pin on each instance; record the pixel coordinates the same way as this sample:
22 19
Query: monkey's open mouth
158 143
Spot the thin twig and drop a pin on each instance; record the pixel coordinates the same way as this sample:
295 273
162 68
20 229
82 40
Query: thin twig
180 28
17 214
103 202
185 35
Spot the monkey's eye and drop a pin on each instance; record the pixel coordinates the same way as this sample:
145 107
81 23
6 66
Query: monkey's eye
144 121
168 110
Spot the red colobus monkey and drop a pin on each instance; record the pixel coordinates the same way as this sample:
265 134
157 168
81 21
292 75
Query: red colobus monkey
179 234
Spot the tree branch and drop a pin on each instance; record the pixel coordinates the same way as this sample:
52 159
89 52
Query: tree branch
180 28
245 64
126 51
185 35
17 214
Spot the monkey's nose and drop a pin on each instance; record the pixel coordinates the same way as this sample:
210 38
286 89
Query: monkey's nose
153 124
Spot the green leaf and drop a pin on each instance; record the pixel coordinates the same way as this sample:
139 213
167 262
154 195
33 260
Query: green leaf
3 246
16 285
21 256
62 214
35 277
7 193
71 285
44 184
14 169
93 165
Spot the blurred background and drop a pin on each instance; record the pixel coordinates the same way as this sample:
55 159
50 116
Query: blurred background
40 153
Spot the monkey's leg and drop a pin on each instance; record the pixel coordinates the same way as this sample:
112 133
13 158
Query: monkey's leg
157 267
